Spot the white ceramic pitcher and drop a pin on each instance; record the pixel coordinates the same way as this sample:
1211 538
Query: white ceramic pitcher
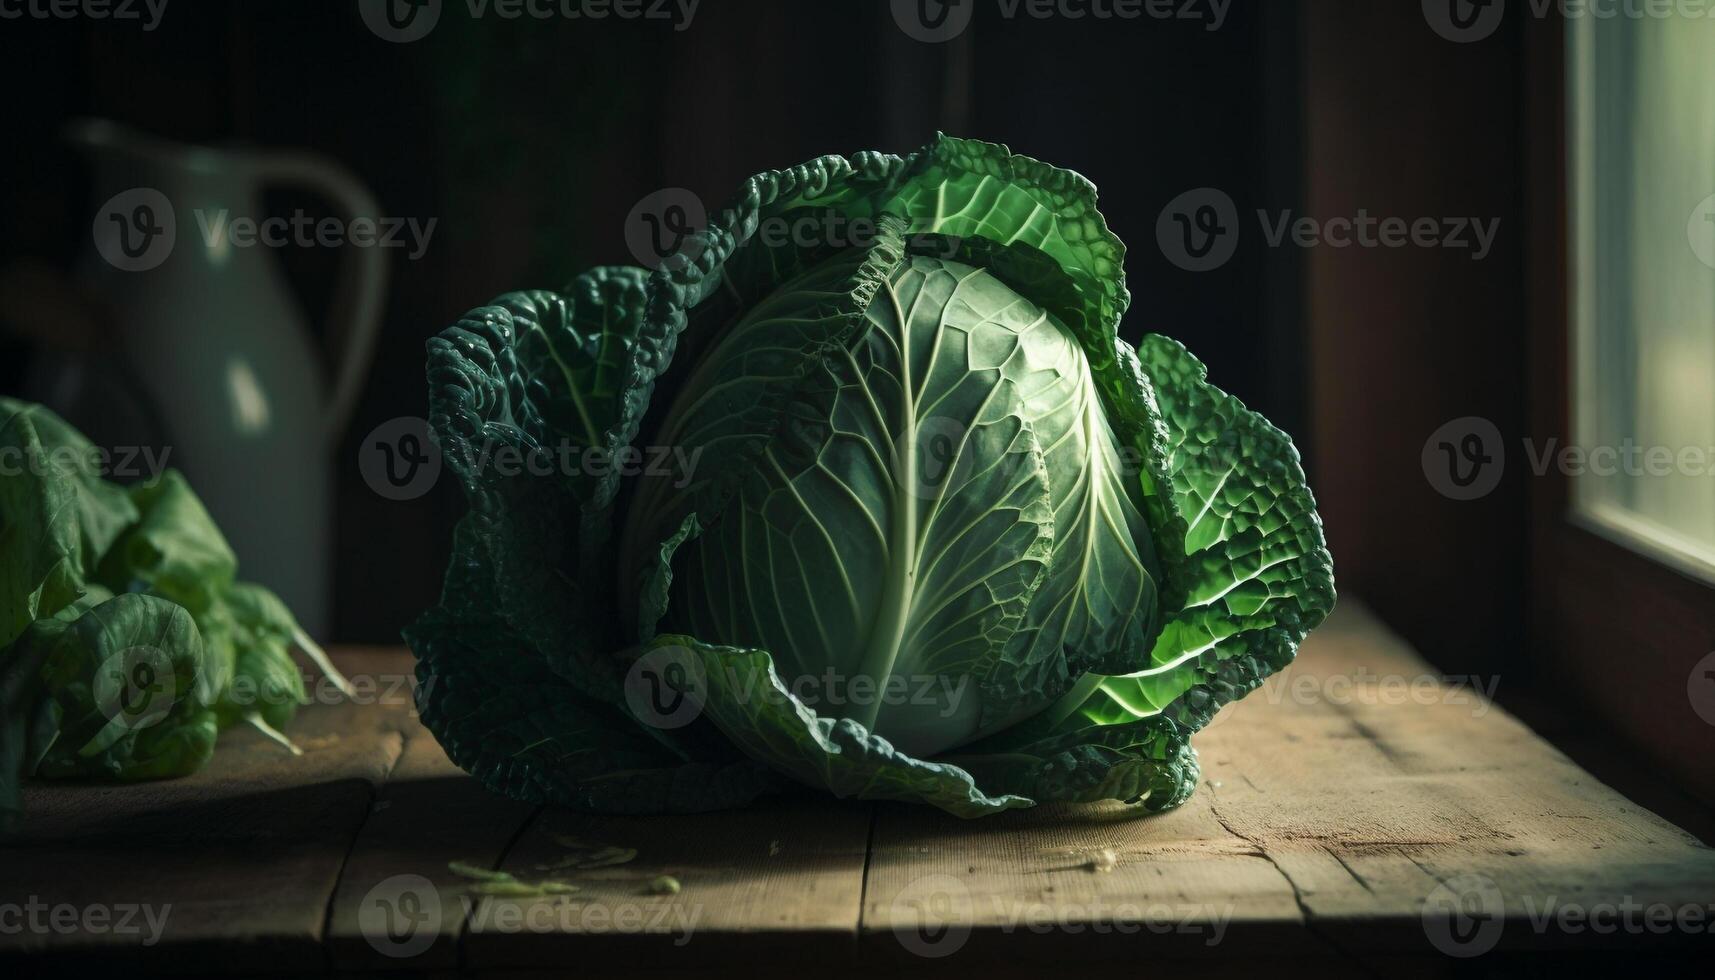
209 331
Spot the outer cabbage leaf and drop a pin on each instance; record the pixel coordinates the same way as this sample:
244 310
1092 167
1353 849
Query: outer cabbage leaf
1148 761
527 734
531 378
739 691
1256 575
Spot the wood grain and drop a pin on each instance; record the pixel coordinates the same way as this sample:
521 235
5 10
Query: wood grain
238 859
1337 801
397 900
786 877
1342 797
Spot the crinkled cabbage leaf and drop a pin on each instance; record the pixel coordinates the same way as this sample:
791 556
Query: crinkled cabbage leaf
894 515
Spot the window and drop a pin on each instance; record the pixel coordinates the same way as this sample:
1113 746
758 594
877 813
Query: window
1641 138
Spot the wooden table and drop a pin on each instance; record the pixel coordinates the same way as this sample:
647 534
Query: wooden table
1345 809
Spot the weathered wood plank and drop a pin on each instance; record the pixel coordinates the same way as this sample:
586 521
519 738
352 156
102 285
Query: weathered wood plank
1336 802
781 881
1027 887
237 862
397 904
1342 797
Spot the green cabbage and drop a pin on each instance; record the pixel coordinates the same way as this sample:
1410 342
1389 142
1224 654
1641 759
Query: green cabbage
928 530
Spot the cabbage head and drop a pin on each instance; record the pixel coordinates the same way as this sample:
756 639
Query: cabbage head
892 513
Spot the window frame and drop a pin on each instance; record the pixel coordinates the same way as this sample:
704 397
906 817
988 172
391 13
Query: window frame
1619 629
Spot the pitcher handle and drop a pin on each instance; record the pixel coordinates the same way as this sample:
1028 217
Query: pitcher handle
362 279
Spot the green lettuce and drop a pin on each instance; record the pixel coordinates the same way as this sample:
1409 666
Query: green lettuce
126 641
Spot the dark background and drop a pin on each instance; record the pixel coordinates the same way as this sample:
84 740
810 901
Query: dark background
531 140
